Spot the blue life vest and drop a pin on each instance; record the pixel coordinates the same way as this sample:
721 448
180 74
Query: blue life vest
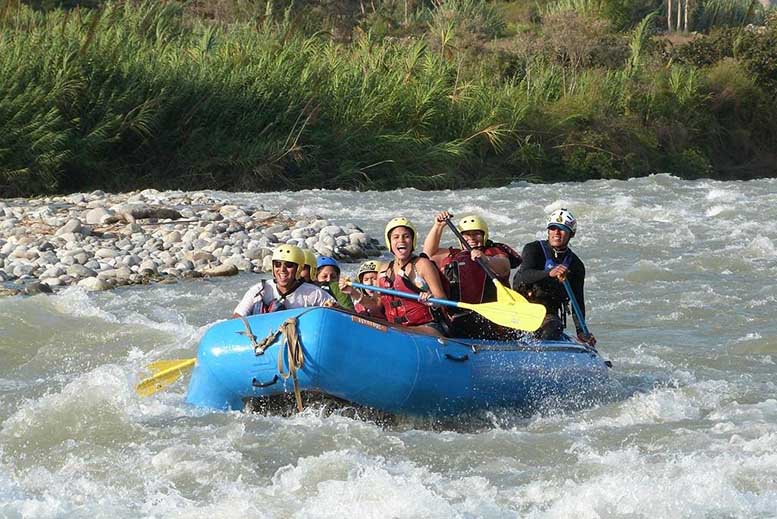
550 263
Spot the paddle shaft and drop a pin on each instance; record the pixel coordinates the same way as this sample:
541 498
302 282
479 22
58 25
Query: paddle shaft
576 308
467 246
415 297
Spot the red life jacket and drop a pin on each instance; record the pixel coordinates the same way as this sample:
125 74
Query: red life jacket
468 280
363 310
397 309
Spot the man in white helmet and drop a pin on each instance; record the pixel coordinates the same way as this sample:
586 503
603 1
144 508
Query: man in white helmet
285 290
546 263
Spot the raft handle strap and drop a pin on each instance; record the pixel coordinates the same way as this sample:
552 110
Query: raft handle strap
295 356
248 333
256 383
457 358
266 342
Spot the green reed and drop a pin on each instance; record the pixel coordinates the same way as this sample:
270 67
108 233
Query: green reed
142 95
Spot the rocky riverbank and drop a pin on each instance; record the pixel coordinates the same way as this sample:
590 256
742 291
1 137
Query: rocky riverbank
100 241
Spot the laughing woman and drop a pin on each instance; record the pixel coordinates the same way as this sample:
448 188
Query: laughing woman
411 274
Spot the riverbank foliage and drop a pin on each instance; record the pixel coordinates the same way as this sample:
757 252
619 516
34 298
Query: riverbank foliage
249 95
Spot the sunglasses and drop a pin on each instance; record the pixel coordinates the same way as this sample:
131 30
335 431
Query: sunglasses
286 264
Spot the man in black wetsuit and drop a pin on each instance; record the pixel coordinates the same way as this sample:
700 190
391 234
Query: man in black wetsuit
546 263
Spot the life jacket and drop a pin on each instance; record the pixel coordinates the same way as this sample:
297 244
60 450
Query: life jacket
468 281
400 310
550 263
276 305
361 309
550 292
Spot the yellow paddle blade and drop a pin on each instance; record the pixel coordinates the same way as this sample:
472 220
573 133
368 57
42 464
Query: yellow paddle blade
516 313
165 373
161 365
507 295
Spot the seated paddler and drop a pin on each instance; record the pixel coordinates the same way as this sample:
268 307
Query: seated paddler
328 276
368 275
547 265
464 269
285 290
409 273
308 271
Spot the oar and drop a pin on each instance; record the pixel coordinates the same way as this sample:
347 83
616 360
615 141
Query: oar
576 309
165 373
527 317
503 294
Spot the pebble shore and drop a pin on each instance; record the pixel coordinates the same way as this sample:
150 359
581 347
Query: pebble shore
100 241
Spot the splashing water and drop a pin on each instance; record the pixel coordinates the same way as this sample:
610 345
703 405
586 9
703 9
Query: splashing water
681 296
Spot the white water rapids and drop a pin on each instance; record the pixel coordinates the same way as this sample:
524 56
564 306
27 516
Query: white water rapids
680 294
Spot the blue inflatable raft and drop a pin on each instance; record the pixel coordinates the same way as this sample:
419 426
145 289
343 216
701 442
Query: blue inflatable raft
392 369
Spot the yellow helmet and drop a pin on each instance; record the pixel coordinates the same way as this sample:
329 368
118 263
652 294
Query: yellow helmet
290 253
310 261
399 221
367 266
473 222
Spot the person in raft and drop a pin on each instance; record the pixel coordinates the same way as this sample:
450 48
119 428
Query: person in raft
546 263
468 281
407 273
308 271
285 290
367 275
327 277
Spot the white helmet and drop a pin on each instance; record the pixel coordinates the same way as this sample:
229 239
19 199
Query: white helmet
564 220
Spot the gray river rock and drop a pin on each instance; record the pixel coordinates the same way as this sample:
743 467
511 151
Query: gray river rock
68 240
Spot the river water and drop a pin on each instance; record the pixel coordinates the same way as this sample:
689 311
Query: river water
681 297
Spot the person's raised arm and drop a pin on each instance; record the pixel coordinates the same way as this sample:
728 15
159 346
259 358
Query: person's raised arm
432 241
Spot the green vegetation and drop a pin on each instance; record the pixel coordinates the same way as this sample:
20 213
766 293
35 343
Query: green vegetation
240 94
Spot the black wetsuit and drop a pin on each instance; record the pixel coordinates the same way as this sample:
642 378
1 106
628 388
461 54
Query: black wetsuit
534 282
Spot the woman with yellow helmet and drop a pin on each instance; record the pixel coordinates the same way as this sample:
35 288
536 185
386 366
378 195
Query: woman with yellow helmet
409 273
285 290
308 272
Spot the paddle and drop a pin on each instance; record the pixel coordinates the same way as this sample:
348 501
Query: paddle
165 373
576 309
525 317
503 294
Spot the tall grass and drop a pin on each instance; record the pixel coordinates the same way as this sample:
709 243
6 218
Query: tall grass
141 94
130 95
727 13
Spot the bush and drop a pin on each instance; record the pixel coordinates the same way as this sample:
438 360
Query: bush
758 51
580 41
472 21
707 49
